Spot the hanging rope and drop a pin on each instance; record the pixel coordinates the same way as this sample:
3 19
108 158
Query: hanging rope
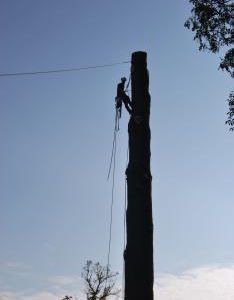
124 225
112 202
129 80
125 205
116 128
112 161
125 198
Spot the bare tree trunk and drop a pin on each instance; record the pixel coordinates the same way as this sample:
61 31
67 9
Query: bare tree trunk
139 249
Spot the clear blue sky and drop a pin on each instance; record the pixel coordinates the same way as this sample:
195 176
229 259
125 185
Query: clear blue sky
56 135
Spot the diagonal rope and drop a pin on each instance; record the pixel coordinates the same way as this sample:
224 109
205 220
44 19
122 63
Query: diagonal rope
42 72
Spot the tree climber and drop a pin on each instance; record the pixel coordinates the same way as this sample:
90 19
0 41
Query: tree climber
122 98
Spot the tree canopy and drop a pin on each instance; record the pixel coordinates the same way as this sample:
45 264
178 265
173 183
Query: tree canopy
212 22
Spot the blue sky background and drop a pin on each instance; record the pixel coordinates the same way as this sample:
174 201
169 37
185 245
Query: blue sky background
56 135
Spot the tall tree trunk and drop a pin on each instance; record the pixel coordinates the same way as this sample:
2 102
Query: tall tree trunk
139 249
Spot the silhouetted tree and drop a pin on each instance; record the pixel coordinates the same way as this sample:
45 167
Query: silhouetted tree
67 298
212 21
99 281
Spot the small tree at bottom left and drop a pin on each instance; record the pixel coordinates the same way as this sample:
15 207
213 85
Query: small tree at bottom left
99 282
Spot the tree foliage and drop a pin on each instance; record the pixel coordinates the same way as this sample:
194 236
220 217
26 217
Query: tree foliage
230 120
99 281
212 22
